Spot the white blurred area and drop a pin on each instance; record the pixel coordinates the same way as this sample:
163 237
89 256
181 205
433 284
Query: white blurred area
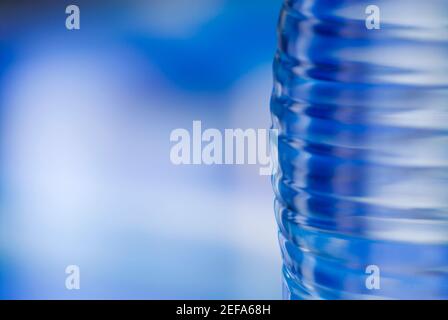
89 182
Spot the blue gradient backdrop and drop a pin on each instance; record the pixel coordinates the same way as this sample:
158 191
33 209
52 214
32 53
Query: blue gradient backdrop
85 173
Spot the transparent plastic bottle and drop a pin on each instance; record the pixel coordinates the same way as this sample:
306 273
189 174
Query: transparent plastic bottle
362 179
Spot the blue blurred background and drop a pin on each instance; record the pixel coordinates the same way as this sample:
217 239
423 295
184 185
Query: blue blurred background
85 173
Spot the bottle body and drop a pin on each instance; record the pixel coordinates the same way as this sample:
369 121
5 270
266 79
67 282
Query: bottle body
362 180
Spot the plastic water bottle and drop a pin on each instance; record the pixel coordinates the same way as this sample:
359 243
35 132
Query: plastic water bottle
361 109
